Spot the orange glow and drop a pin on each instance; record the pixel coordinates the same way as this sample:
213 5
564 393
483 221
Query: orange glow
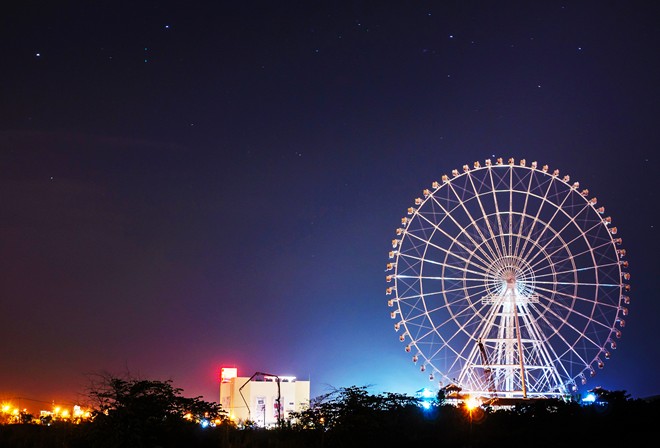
472 403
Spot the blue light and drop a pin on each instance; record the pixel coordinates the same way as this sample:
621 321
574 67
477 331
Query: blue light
426 398
204 423
590 398
425 393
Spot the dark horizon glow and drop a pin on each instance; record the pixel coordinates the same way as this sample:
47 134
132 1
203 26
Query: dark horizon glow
185 189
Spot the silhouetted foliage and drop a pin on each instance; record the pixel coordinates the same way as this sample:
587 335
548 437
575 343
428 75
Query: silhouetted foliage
145 413
138 413
352 414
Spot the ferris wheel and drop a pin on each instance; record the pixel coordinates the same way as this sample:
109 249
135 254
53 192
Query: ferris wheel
508 280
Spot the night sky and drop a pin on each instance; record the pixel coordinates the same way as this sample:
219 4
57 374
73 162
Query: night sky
191 185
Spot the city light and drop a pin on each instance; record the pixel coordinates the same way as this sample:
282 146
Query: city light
426 398
472 403
10 414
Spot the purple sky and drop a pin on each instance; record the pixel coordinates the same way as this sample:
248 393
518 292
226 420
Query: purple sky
188 188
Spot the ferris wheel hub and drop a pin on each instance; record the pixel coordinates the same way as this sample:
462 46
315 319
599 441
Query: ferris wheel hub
510 273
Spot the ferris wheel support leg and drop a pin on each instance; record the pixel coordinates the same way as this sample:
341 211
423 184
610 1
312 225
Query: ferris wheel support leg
520 350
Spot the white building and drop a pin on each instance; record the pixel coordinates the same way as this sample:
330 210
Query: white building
256 398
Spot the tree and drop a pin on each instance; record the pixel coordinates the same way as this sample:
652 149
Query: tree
135 412
351 415
25 417
604 396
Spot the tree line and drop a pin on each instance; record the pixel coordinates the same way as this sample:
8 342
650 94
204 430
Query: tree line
135 413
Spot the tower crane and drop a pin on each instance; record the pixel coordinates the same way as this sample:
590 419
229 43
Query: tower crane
279 407
488 373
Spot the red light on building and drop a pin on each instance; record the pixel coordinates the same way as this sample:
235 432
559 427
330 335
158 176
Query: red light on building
227 373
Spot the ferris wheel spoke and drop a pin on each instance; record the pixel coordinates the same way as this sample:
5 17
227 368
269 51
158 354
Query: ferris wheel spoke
575 255
553 274
447 306
484 215
543 200
548 222
463 313
463 267
510 234
440 278
565 322
580 236
464 288
413 311
542 263
463 231
557 234
523 214
446 251
492 255
548 354
472 312
458 350
443 265
431 332
572 310
611 285
441 293
447 265
420 257
460 329
497 211
569 346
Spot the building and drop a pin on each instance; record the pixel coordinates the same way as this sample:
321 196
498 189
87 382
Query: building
263 398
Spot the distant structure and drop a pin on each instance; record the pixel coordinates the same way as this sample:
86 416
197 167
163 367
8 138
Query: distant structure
264 399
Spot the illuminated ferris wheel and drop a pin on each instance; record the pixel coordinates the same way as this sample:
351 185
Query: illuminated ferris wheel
508 280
